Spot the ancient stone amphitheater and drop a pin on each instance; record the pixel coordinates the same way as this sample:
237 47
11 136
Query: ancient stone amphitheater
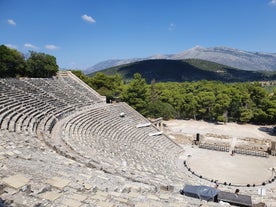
62 145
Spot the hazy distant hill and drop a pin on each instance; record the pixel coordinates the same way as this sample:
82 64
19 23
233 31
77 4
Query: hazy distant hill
232 57
227 56
186 70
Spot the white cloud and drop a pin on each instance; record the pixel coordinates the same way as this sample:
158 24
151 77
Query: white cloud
171 27
11 22
30 46
272 2
51 47
88 18
11 46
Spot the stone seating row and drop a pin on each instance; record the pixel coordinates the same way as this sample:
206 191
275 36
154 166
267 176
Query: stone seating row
55 87
89 187
87 93
37 106
106 123
52 180
27 101
33 104
102 133
81 86
22 113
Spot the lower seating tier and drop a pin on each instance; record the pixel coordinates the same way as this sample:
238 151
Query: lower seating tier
102 135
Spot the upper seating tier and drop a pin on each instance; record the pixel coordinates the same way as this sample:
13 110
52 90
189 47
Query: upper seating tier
25 102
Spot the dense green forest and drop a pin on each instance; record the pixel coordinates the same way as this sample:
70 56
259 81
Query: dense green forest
37 65
201 100
186 70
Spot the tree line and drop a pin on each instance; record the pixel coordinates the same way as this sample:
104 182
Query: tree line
15 64
201 100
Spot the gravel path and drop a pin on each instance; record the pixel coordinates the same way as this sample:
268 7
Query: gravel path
191 127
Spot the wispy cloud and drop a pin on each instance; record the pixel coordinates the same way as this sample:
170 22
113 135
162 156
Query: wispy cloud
11 46
11 22
31 46
171 27
272 2
88 18
51 47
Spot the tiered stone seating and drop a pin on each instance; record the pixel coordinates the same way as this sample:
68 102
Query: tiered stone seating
115 142
31 105
27 106
27 102
87 93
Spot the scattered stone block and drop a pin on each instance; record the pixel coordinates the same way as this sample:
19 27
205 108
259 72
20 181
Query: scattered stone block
45 189
2 187
86 176
28 157
16 181
17 152
100 196
152 197
126 190
133 194
9 153
9 191
58 182
101 193
104 204
176 204
79 197
165 196
116 194
50 195
122 200
71 203
63 174
142 204
87 186
26 188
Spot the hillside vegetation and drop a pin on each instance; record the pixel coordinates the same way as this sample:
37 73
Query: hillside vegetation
205 100
186 70
14 64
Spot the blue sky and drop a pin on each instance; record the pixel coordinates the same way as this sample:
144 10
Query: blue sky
81 33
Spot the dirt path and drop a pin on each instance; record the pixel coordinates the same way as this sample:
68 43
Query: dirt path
189 129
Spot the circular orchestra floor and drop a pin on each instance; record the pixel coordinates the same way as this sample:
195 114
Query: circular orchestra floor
223 167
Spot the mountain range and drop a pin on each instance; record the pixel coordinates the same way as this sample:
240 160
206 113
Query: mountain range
244 60
164 70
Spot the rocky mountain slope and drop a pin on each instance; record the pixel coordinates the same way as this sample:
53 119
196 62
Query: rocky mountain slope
240 59
163 70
